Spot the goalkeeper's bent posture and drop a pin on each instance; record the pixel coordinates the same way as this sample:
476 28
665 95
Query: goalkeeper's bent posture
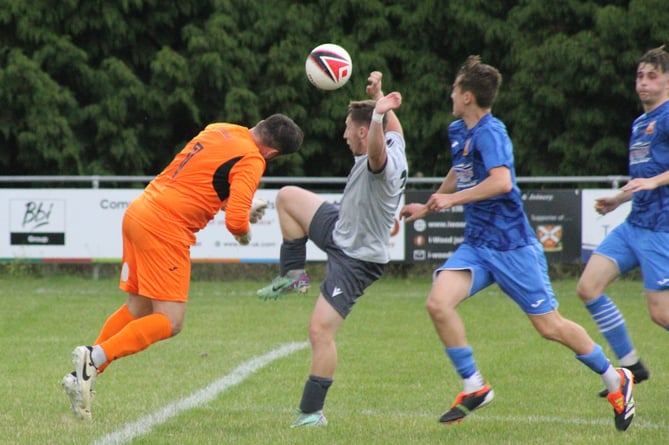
219 169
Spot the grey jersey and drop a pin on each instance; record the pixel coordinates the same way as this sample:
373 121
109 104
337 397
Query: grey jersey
369 204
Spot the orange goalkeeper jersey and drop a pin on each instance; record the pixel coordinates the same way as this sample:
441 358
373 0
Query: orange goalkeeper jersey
219 169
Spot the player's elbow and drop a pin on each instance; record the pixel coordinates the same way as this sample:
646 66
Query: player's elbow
500 179
503 184
507 186
377 162
237 224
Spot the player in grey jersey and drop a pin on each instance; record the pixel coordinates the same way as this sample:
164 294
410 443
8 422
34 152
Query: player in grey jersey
354 235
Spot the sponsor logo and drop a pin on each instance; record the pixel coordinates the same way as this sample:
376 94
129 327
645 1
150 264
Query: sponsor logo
84 371
537 303
39 222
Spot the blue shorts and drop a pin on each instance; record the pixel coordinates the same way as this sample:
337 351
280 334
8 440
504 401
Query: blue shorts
630 246
521 273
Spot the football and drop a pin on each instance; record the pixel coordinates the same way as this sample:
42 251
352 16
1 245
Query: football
328 66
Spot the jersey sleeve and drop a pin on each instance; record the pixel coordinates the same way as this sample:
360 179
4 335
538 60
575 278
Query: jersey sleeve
244 179
394 156
495 148
661 154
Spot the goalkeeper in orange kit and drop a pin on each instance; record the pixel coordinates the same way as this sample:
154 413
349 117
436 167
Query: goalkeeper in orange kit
219 169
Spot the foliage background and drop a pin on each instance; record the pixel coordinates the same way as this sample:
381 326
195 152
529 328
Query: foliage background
92 87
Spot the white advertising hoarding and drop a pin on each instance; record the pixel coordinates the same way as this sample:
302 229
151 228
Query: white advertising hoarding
594 227
85 225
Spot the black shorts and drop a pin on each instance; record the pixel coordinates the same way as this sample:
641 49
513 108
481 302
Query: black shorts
346 278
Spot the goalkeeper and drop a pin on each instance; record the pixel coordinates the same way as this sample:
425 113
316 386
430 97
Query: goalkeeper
220 169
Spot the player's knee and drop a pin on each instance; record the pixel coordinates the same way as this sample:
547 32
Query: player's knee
585 291
436 308
550 334
317 333
549 329
285 195
431 306
320 339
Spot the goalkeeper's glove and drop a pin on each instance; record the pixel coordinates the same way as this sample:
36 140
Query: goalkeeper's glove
244 239
258 207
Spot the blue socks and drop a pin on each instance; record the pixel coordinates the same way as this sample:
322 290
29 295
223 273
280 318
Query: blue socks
596 360
463 360
611 324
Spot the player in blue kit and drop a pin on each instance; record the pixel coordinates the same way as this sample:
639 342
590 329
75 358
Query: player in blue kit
499 247
642 239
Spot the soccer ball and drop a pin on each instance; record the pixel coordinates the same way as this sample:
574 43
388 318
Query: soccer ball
328 66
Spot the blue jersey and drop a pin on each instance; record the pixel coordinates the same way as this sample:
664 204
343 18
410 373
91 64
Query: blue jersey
499 222
648 157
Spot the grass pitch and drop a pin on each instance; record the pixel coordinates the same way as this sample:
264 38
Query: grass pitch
392 383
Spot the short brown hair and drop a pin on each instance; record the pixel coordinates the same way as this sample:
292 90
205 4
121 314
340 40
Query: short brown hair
280 132
361 111
657 57
482 80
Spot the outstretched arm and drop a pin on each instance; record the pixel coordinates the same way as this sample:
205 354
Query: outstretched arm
375 92
376 139
497 183
610 203
414 211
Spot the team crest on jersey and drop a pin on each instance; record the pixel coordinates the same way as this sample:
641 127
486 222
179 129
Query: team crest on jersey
465 152
332 64
651 127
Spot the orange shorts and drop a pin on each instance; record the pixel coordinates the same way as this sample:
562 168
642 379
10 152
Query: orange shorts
153 266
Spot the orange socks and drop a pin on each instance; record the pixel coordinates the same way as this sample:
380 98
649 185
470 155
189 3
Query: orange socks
135 336
115 323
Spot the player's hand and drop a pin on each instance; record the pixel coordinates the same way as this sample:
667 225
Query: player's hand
245 239
638 184
606 205
258 208
414 211
373 90
391 101
439 201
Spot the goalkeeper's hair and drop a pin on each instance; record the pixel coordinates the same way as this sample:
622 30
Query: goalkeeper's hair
280 132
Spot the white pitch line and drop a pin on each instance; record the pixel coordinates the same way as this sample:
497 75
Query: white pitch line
198 398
